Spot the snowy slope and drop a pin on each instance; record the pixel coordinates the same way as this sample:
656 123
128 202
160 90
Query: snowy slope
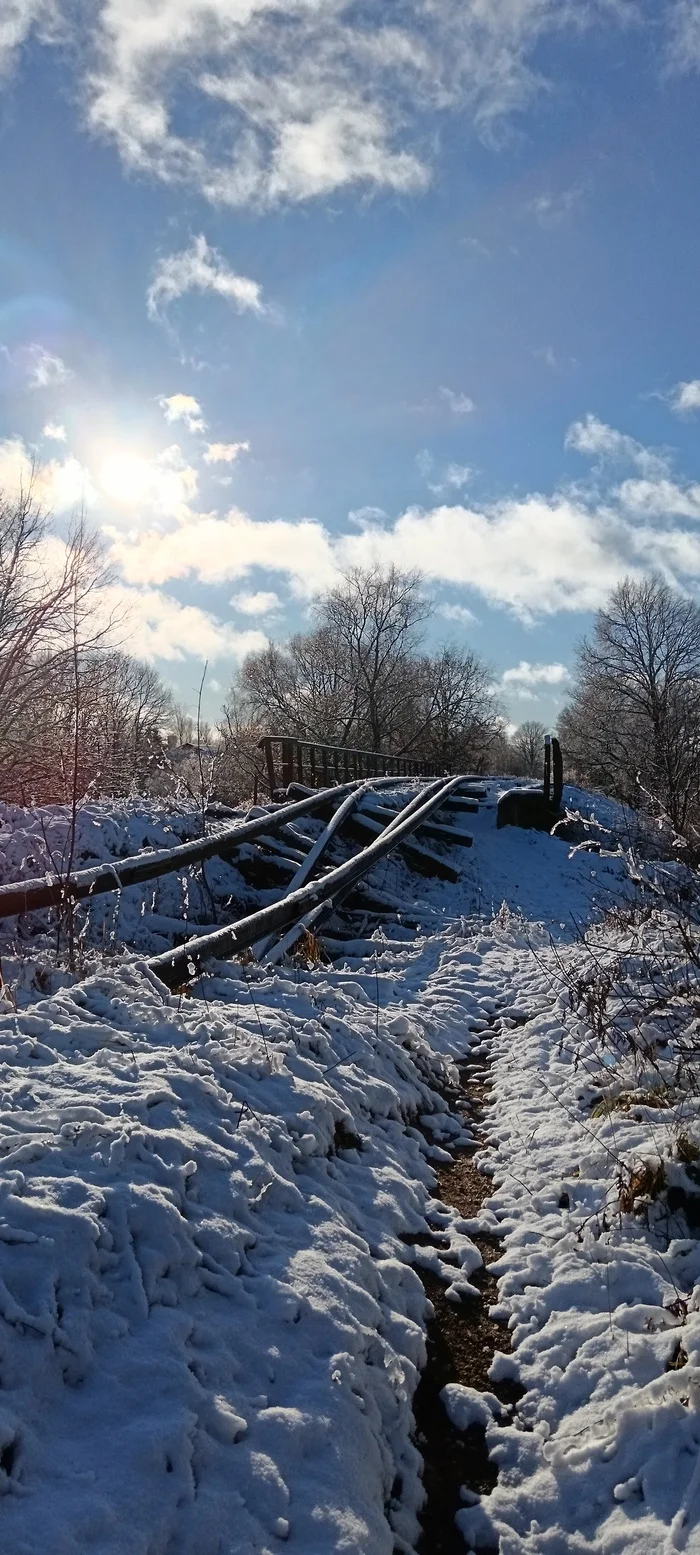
211 1324
208 1314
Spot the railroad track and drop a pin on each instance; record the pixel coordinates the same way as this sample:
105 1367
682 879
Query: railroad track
378 812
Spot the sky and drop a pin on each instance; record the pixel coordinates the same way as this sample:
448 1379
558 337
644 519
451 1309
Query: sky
287 287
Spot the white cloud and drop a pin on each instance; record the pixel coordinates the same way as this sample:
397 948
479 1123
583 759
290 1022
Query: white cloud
660 498
139 488
456 476
183 407
216 550
200 268
42 369
460 404
156 626
60 485
459 613
260 604
686 396
529 675
553 206
536 555
18 18
424 462
343 143
224 453
362 517
252 101
684 37
54 431
593 438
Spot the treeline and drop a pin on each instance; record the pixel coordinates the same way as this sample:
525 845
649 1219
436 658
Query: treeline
362 677
81 716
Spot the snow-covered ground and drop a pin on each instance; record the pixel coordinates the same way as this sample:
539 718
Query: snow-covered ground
211 1321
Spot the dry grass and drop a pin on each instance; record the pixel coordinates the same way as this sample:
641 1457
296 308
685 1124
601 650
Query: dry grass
642 1184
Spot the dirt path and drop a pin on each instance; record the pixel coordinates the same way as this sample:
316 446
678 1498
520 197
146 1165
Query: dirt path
462 1341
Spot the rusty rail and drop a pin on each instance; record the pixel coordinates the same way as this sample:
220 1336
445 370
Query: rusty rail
290 760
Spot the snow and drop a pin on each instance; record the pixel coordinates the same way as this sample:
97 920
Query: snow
211 1317
465 1406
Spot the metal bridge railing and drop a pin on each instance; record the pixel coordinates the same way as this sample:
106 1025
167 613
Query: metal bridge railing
289 760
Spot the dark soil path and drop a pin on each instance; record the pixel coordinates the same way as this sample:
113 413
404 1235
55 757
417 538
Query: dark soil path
462 1341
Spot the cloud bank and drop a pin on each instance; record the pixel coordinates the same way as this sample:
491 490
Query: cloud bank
264 101
533 556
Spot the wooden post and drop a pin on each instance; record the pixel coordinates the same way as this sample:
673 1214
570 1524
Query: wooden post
287 763
266 744
557 774
547 785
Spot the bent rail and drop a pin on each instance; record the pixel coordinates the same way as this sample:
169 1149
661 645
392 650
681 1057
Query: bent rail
54 892
312 762
181 965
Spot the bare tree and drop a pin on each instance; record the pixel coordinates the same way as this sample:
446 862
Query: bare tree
183 724
301 689
633 724
241 766
360 677
352 679
76 714
108 715
47 592
374 619
527 746
458 716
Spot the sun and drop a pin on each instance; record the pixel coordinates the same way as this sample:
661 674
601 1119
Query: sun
126 478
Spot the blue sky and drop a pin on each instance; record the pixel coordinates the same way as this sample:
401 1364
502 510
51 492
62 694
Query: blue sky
286 287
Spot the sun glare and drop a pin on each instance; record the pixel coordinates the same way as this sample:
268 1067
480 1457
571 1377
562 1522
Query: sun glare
126 478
